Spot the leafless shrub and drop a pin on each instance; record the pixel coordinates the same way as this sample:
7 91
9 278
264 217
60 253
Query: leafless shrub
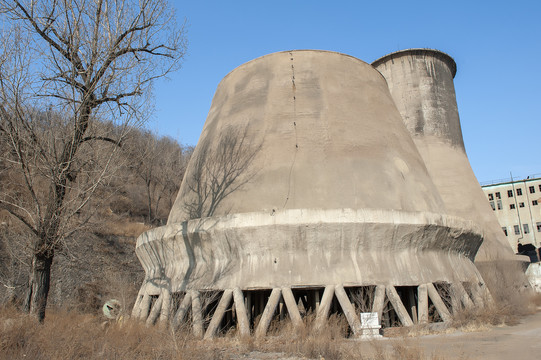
158 163
513 297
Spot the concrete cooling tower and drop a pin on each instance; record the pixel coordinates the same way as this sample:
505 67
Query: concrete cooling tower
421 84
306 194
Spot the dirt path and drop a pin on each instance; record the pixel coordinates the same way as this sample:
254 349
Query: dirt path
518 342
522 341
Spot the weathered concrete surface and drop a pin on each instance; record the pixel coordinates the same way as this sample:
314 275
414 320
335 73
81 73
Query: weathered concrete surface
309 248
326 135
421 84
305 176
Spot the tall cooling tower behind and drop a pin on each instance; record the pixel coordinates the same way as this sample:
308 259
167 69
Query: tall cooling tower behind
421 84
306 188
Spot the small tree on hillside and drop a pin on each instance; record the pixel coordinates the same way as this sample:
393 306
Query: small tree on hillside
63 65
159 163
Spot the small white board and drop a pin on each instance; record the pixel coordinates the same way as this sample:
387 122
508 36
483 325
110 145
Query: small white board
370 325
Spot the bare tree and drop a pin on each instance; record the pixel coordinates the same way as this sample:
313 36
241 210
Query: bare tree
170 174
219 171
159 162
65 66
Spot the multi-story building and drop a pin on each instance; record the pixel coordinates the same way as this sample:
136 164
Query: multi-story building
517 205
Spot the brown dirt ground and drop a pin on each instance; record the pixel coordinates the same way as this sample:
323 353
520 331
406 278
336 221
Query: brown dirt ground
522 341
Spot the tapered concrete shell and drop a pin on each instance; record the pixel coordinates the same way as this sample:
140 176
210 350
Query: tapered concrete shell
331 189
421 84
323 136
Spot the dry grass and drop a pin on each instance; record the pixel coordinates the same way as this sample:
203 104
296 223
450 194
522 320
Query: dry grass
330 343
513 298
508 284
75 335
508 312
72 335
326 343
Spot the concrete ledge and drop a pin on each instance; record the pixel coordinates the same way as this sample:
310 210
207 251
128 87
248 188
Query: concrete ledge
309 248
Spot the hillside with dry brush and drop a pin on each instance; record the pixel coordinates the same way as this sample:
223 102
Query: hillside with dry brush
99 261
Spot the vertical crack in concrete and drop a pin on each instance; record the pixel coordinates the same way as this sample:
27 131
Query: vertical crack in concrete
294 91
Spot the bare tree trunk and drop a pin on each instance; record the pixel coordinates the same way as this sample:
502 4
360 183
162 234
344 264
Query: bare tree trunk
28 295
39 282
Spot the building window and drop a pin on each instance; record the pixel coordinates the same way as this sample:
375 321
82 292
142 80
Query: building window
538 226
499 203
519 191
520 204
492 205
534 202
511 206
490 196
509 193
526 228
517 229
532 189
504 230
498 196
539 187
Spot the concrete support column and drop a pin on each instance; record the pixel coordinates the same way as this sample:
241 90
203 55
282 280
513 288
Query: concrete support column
324 307
412 305
249 305
136 307
422 299
166 308
348 309
292 307
438 302
155 311
462 297
398 306
219 314
182 311
144 307
268 313
197 315
281 309
379 301
318 301
242 316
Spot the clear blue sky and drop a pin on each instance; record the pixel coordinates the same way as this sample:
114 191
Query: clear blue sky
496 44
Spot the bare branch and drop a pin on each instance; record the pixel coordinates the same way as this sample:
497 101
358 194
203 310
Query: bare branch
101 138
10 207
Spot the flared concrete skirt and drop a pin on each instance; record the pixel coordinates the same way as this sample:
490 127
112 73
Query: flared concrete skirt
307 249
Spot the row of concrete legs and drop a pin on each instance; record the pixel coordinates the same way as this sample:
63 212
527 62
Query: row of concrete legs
252 311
